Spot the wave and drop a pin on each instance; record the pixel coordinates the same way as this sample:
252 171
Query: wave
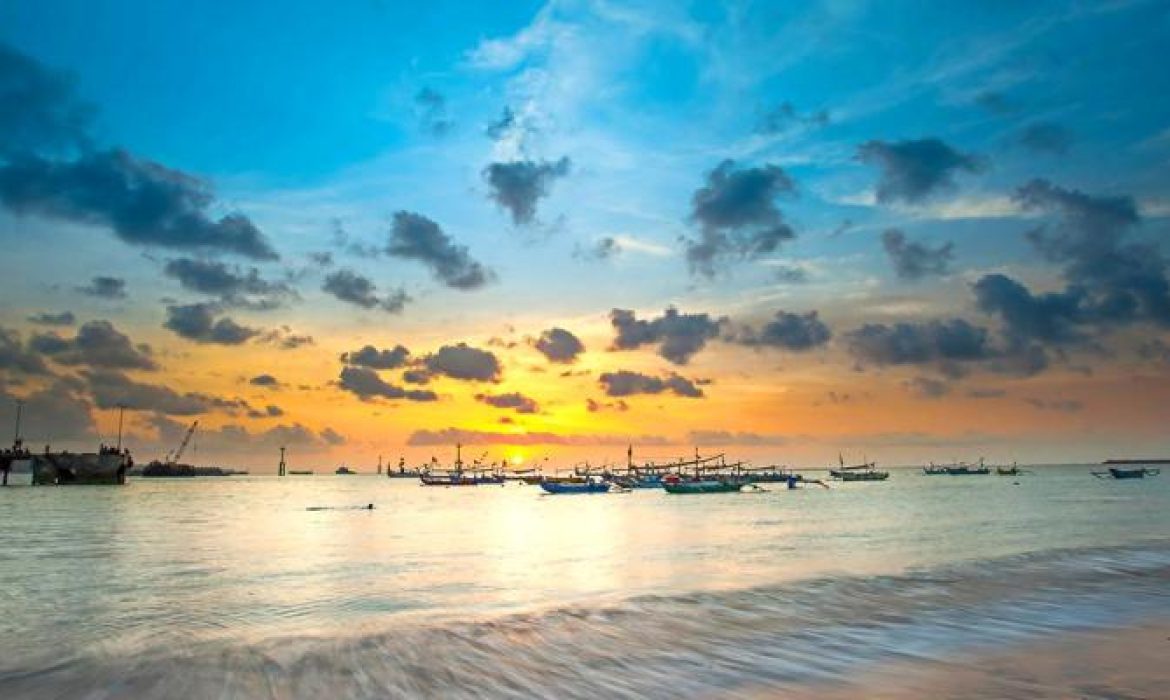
714 643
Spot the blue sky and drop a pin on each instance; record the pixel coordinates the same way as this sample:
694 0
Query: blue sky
849 118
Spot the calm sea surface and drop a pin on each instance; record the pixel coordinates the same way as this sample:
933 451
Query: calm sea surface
234 588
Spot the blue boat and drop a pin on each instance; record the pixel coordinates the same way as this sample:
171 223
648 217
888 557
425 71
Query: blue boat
558 487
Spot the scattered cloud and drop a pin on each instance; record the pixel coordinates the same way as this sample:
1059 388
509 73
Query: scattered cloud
233 286
559 345
514 400
788 331
356 289
678 336
461 361
104 288
519 185
627 383
432 112
415 237
97 344
372 357
365 383
64 318
913 260
911 171
197 322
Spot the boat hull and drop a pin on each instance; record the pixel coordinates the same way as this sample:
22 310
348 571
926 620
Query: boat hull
554 487
698 487
85 469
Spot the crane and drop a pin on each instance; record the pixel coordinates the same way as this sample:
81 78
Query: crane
183 445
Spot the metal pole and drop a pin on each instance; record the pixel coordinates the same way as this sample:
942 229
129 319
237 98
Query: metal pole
121 412
19 409
281 470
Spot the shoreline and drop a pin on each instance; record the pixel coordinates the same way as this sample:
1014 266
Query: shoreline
1117 662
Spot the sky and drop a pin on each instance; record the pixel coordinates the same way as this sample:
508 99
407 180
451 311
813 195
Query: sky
784 231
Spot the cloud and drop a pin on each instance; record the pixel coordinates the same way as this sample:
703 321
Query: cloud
737 215
913 260
927 387
269 411
97 344
58 413
142 202
415 237
104 288
1046 137
265 380
453 436
597 406
113 389
432 112
372 357
38 109
796 332
461 361
367 385
233 286
559 345
790 274
953 340
284 338
519 185
353 288
65 318
502 126
1124 282
913 170
715 438
627 383
1051 317
604 248
1061 405
14 356
784 116
514 400
678 336
986 393
197 322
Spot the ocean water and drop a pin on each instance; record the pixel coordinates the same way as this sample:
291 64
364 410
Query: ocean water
242 587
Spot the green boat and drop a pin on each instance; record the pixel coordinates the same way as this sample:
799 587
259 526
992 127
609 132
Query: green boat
703 486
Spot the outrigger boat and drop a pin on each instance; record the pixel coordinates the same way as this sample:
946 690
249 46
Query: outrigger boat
960 469
458 476
866 471
1013 470
587 486
1127 473
709 477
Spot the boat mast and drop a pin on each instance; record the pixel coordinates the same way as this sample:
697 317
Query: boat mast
121 414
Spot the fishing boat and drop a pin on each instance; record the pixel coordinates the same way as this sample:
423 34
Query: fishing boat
1013 470
588 486
959 469
1127 473
343 470
866 471
459 475
695 486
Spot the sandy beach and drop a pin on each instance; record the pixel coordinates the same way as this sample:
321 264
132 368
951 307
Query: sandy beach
1118 664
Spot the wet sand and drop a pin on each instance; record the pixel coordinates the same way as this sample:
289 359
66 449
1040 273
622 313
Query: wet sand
1118 664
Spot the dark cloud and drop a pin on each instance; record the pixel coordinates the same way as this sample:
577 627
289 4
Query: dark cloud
233 286
65 318
913 260
353 288
626 383
14 356
1046 137
709 438
519 185
1124 282
954 340
927 387
788 331
367 385
38 108
737 215
104 288
416 376
597 406
58 413
1061 405
113 389
284 338
415 237
1052 317
97 344
432 112
784 116
790 274
515 400
602 249
144 203
500 127
269 411
986 393
451 436
264 380
372 357
678 336
559 345
197 322
322 258
913 170
464 362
